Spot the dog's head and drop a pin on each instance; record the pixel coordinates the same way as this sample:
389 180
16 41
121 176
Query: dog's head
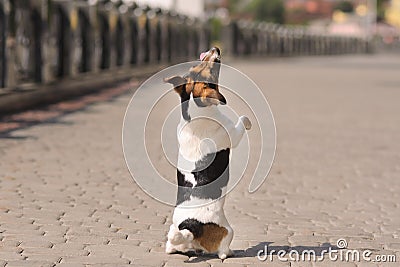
201 82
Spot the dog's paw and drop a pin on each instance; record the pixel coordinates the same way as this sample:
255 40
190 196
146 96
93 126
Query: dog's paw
224 255
246 122
169 248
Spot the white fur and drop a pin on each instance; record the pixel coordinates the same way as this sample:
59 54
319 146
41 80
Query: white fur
208 131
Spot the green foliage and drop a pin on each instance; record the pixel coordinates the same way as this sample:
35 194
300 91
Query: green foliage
381 9
267 10
345 6
216 26
233 5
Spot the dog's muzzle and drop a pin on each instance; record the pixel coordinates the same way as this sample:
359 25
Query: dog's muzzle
213 55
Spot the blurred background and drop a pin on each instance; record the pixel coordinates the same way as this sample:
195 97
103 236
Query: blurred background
45 41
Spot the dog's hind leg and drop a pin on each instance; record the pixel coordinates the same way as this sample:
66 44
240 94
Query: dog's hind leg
178 240
169 247
224 251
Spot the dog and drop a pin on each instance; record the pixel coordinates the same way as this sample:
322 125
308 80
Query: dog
205 137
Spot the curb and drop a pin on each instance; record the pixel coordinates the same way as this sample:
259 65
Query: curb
34 95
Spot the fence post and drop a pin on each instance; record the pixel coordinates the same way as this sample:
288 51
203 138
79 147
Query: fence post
197 39
269 39
182 42
191 43
170 36
46 73
86 38
163 27
75 42
141 21
152 22
124 36
159 36
113 22
120 40
27 24
276 43
4 10
49 41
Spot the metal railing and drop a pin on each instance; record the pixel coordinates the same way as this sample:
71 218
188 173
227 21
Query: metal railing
249 38
43 41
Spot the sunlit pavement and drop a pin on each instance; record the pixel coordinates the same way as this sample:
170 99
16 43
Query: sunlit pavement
67 199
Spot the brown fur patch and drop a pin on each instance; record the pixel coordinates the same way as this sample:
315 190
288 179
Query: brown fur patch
198 89
179 89
212 237
206 94
189 85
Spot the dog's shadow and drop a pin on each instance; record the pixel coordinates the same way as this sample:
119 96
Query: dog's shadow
253 251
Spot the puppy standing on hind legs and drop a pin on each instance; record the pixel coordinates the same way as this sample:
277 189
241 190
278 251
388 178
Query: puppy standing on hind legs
205 138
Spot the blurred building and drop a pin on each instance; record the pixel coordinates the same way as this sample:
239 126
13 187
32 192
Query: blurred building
392 14
302 11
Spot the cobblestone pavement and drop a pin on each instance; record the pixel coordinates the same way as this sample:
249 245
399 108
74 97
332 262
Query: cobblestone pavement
67 199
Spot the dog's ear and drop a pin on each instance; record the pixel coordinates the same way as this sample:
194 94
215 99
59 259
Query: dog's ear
175 80
178 82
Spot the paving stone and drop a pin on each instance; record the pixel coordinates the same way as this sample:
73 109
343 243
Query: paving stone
88 240
149 261
119 241
220 264
110 265
50 257
10 256
95 260
178 263
36 244
136 253
64 264
39 263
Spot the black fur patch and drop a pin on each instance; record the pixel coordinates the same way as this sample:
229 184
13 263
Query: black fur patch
206 171
212 85
193 225
181 180
216 173
185 97
213 168
184 189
